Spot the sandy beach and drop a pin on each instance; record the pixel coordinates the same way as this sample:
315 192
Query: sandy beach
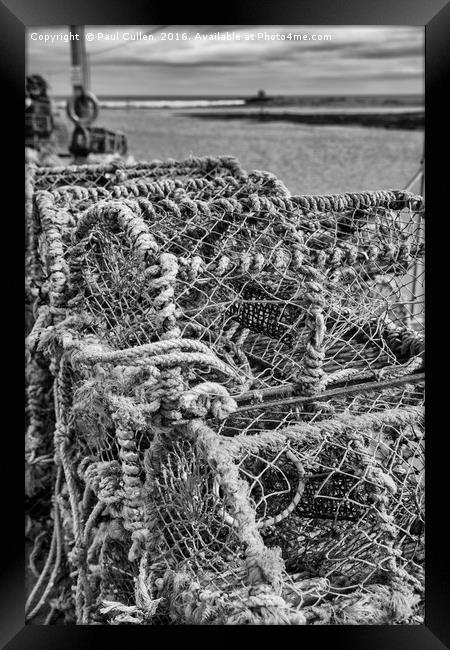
308 158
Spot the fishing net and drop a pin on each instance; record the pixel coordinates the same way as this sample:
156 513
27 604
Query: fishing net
53 208
110 174
55 197
233 428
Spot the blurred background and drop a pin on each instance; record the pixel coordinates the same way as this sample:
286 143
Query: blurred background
340 110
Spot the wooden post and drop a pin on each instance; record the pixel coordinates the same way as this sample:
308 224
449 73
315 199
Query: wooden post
79 69
80 73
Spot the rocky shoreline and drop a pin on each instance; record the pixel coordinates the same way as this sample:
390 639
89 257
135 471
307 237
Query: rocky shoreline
412 121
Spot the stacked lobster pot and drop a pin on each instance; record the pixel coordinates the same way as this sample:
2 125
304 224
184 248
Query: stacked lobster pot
225 399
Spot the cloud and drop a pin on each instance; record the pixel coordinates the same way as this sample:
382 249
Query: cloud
354 55
179 64
400 52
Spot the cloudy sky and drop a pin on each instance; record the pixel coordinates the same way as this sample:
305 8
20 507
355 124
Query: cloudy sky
356 60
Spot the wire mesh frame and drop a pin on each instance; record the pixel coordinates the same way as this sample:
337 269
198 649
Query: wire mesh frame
104 176
317 204
351 502
335 494
270 440
339 491
297 206
283 439
50 178
399 346
266 424
197 178
75 198
287 509
69 196
163 225
59 261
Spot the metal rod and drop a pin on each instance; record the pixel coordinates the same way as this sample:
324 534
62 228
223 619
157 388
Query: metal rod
79 72
78 56
422 180
286 390
336 392
418 218
414 179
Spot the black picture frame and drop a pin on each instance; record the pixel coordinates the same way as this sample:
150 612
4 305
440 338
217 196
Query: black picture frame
434 15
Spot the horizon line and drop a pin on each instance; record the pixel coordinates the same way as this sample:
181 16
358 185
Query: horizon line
238 96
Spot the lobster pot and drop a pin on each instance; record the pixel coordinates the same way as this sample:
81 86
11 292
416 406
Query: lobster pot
245 277
237 407
341 508
55 207
185 506
56 197
371 436
100 179
249 279
110 174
